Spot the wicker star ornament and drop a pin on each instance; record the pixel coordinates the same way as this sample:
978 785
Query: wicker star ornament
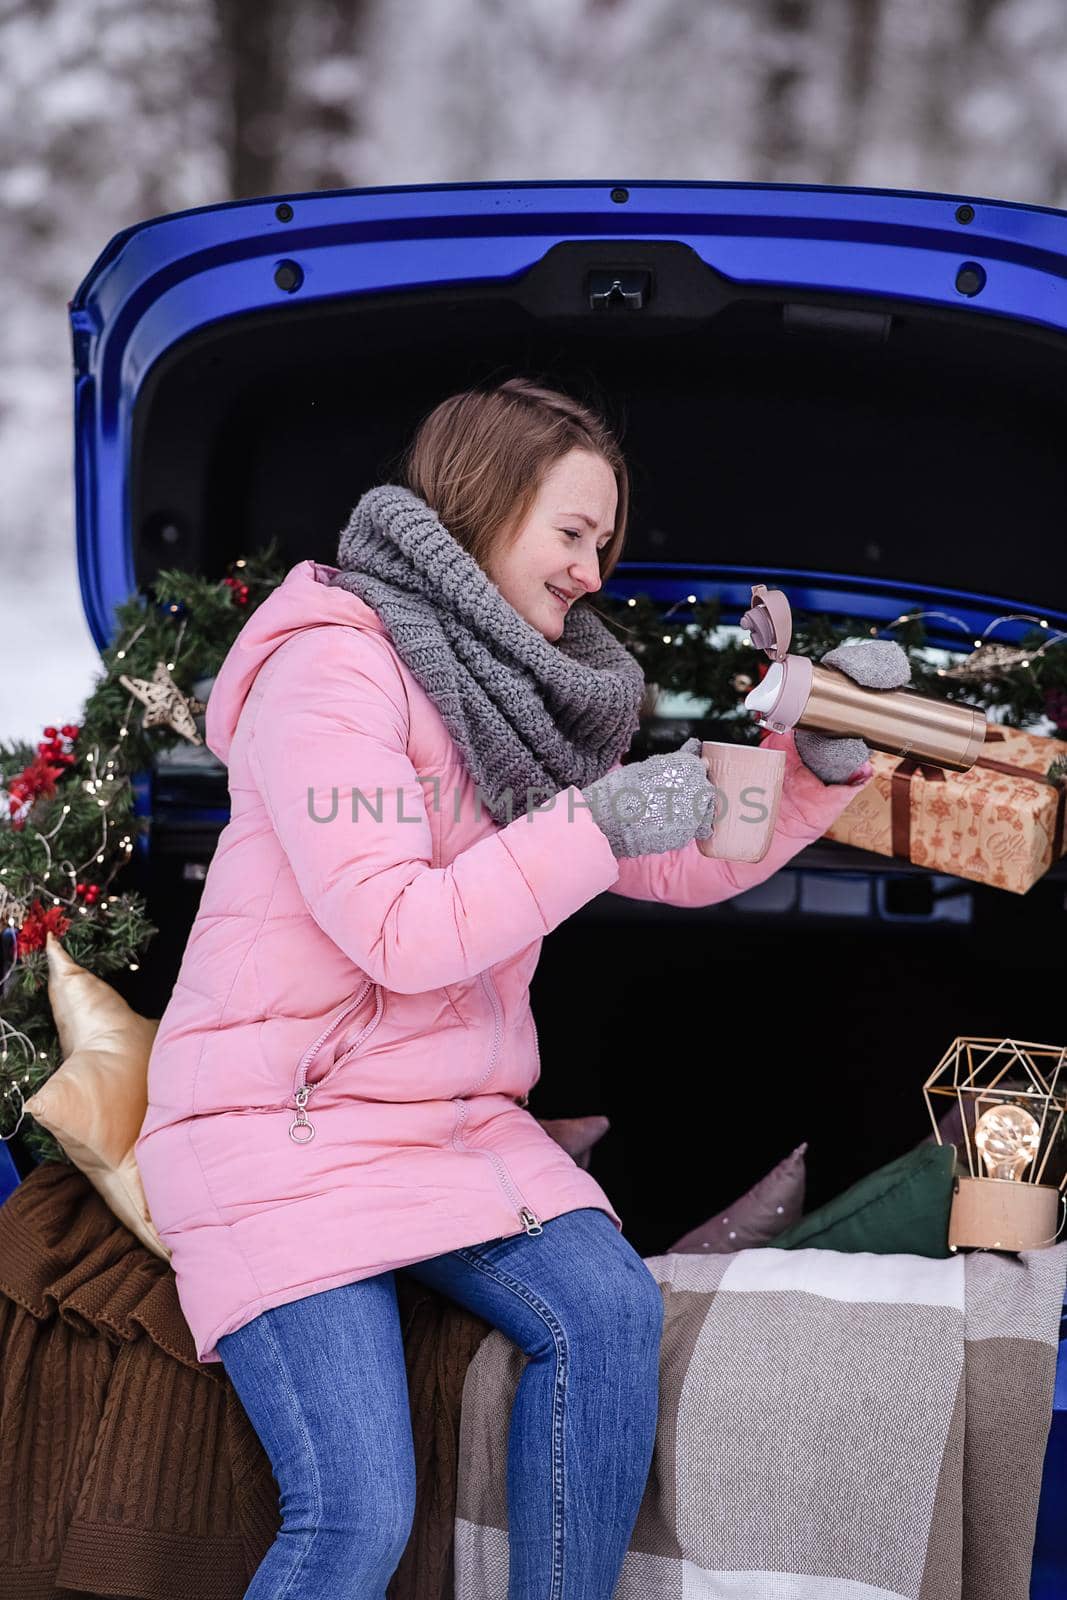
164 703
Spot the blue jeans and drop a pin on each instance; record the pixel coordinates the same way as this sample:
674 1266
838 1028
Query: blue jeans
324 1384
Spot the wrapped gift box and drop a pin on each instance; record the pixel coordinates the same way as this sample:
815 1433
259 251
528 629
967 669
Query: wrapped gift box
1002 823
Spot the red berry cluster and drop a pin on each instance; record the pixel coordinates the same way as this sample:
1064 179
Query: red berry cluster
240 590
39 778
51 748
90 892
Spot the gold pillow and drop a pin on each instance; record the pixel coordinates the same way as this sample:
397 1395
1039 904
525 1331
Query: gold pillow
94 1104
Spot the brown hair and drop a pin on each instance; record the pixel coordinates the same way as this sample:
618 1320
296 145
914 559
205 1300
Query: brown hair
479 458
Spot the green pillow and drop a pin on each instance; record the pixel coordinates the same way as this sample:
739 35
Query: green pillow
902 1209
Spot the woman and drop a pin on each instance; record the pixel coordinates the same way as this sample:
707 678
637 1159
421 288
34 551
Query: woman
425 751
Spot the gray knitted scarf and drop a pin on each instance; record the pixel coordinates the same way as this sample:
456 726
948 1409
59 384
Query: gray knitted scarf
530 716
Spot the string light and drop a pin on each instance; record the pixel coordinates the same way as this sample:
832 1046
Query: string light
120 655
979 644
690 600
1009 616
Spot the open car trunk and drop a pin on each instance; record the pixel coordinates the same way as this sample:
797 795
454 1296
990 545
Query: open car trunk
809 400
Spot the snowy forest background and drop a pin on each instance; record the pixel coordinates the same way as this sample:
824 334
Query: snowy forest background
113 111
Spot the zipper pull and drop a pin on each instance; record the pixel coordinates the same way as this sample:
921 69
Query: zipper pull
301 1120
527 1217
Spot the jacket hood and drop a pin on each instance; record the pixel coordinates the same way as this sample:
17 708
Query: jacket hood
303 599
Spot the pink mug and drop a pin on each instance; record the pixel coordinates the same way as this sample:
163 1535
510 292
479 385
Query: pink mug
748 781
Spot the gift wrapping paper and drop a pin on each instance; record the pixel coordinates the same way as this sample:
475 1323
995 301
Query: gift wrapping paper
1001 823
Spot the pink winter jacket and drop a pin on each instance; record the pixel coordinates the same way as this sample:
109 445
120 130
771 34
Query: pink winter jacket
381 958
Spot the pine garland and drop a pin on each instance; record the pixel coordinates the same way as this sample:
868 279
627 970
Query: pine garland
697 657
68 830
67 826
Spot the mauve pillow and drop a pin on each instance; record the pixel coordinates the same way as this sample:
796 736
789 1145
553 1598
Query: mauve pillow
577 1135
774 1203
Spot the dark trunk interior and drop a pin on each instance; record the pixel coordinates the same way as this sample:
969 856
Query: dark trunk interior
898 445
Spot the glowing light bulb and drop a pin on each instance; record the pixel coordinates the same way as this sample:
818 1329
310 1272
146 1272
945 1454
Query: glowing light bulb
1007 1136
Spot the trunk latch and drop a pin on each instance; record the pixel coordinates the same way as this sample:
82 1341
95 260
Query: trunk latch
625 290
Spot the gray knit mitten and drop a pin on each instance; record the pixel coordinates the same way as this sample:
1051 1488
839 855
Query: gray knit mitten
876 664
655 805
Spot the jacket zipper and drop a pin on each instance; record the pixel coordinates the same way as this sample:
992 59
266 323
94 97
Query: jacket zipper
302 1091
530 1223
525 1099
301 1088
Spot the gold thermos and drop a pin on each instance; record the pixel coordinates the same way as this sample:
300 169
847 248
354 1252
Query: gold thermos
799 693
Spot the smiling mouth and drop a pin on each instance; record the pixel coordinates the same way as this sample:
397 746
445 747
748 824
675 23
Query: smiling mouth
556 596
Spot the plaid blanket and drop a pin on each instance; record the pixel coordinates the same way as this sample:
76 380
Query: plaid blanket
831 1427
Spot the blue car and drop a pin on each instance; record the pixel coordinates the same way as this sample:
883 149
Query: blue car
855 395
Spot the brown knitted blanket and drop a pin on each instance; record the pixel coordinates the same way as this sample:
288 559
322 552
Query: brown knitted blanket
127 1466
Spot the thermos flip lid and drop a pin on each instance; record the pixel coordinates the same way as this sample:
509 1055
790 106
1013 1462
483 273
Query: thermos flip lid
769 621
779 700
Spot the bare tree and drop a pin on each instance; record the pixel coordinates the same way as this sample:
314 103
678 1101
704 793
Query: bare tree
857 83
291 83
789 28
253 79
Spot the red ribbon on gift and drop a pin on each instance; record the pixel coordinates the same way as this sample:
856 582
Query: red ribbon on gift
907 767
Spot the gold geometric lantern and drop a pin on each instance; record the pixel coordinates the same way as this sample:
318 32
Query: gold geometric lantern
1017 1092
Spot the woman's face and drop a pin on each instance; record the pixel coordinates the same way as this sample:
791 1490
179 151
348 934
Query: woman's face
559 542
